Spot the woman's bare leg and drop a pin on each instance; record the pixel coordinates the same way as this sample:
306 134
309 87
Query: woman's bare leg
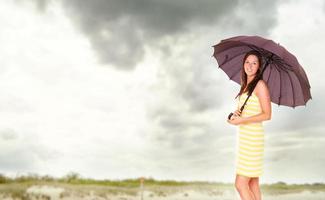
242 186
255 188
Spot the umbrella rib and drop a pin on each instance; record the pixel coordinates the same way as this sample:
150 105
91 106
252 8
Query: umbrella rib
279 71
267 81
280 88
268 78
301 85
293 92
285 66
231 58
280 64
235 73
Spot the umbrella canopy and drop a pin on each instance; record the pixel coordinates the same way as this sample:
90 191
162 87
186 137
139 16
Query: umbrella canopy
286 79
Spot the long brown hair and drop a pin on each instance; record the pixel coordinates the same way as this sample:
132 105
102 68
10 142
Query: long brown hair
250 87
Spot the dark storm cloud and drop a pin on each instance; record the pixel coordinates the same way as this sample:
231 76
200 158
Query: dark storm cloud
119 30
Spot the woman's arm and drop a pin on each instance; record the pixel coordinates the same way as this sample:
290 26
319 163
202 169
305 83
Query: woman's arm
262 92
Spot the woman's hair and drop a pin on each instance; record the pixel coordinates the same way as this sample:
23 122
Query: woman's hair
250 87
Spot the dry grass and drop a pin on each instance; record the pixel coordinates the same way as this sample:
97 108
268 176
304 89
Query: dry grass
76 186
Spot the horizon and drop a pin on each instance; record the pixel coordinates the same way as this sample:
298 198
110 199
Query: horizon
78 176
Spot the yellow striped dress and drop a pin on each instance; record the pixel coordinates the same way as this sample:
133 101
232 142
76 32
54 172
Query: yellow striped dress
250 143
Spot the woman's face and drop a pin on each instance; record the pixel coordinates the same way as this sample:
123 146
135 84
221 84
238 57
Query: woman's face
251 65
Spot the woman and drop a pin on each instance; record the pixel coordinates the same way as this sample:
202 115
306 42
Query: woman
249 163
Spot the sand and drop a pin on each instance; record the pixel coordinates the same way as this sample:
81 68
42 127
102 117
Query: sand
48 192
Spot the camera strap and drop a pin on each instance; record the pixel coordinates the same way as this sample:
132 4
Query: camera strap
242 107
249 94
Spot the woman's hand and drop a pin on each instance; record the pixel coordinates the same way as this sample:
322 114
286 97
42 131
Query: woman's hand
235 120
237 113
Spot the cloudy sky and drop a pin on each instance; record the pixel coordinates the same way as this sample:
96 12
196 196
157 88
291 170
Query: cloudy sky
129 88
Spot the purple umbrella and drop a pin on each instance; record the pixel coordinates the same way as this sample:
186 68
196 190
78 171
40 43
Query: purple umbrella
287 81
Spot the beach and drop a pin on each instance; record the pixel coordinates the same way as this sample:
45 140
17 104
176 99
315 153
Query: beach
60 191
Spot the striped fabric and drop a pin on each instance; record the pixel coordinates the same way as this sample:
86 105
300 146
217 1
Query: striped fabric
250 146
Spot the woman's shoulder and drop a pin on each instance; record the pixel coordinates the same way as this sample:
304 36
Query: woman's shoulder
261 83
261 87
